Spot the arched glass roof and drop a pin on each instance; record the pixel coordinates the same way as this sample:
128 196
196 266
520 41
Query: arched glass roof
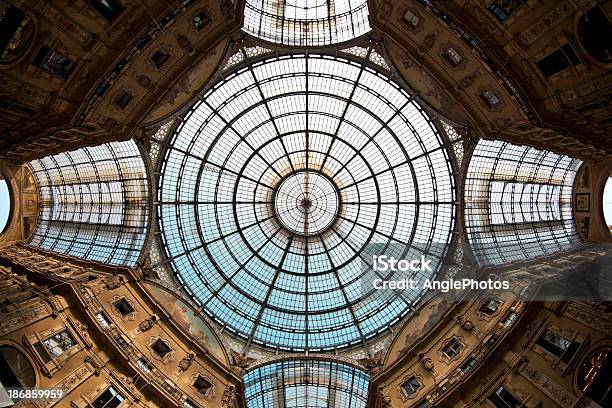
93 203
306 384
306 22
282 179
518 202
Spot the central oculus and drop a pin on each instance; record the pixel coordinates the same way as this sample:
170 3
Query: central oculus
306 203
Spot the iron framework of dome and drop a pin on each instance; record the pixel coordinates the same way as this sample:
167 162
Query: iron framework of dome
280 183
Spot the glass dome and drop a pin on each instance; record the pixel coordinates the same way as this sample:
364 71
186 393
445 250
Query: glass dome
281 182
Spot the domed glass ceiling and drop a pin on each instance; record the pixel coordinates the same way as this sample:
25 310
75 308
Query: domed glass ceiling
280 183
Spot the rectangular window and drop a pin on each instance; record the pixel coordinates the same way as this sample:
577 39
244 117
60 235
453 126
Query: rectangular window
200 21
501 398
509 319
102 320
423 404
489 306
412 19
453 348
452 56
558 345
159 58
468 365
202 385
411 386
189 404
144 365
55 345
161 348
557 61
53 62
123 307
504 8
111 398
123 99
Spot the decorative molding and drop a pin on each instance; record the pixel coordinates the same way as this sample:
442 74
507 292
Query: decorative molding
552 389
72 381
591 318
112 282
549 20
186 361
229 397
429 41
147 324
24 319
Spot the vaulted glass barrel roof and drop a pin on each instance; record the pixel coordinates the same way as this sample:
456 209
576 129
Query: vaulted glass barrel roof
280 183
306 384
306 22
518 202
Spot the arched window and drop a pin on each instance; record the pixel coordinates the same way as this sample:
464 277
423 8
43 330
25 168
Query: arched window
595 377
5 204
518 202
607 203
595 31
93 203
15 369
306 384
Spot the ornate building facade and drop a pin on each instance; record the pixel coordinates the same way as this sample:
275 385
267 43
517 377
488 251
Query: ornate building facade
195 187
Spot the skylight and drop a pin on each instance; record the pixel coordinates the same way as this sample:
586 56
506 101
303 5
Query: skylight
93 203
518 202
279 184
306 22
306 384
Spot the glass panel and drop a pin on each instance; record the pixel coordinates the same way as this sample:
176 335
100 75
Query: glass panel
15 369
607 203
57 344
110 398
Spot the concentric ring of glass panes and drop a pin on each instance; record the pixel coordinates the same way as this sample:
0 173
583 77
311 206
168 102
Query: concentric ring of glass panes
264 280
306 203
